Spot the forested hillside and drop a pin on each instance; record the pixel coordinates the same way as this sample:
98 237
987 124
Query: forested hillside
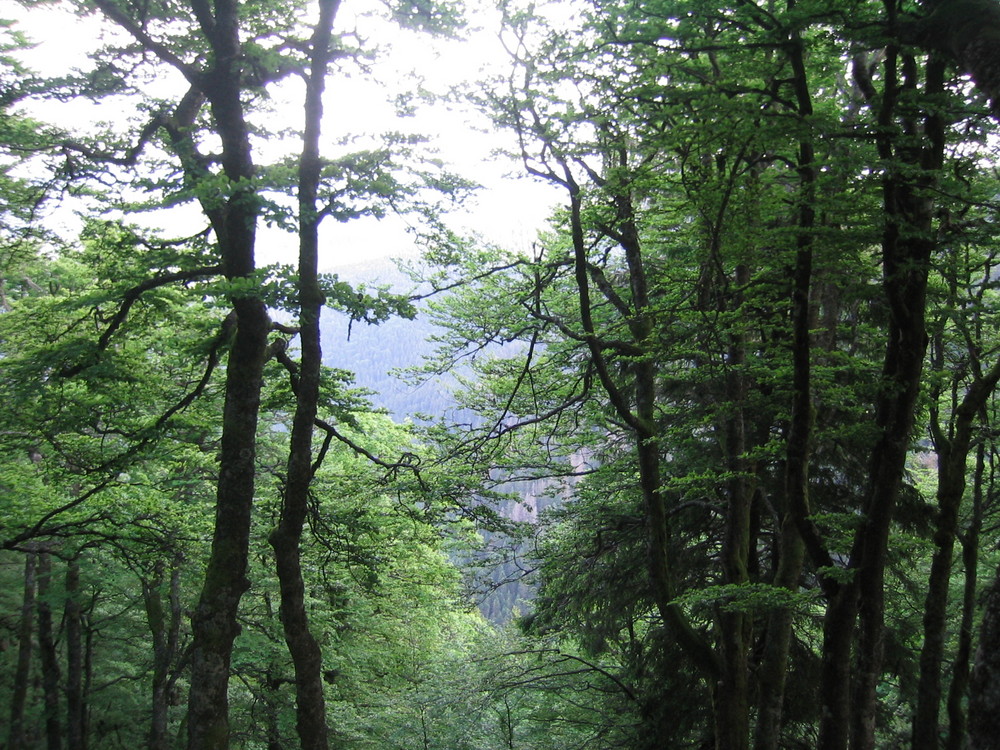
730 414
379 355
386 362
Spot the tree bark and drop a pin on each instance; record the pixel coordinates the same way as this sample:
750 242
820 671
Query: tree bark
906 251
950 489
76 735
835 685
953 454
214 623
641 421
306 655
906 248
732 713
164 628
791 550
156 620
22 672
773 671
957 690
51 675
984 685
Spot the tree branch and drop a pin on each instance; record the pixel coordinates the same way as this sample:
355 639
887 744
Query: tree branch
129 298
115 14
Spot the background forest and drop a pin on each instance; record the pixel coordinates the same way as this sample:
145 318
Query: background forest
726 422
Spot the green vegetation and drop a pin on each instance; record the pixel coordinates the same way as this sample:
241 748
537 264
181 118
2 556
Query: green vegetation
720 443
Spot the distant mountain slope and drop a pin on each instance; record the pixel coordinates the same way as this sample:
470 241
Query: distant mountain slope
373 352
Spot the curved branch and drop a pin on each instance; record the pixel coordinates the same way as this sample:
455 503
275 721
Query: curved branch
129 298
112 467
115 14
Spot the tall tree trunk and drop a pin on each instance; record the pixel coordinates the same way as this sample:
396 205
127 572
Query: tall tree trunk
774 665
791 550
835 681
850 712
984 685
156 620
76 736
957 718
906 251
214 623
953 456
951 486
641 421
286 538
22 672
164 627
51 675
732 713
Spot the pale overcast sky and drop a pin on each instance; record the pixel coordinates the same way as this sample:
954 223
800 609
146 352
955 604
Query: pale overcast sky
507 212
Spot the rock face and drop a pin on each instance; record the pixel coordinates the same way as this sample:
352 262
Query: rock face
375 354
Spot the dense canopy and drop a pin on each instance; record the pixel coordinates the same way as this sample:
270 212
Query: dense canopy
709 461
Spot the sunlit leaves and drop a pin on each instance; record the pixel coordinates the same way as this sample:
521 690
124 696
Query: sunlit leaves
429 16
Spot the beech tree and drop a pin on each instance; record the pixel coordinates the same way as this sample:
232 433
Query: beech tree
742 210
752 358
206 70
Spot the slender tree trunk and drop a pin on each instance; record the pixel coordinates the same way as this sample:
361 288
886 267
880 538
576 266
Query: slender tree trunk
957 718
164 627
49 657
925 719
286 538
76 737
22 672
953 457
642 422
774 665
272 727
732 712
88 668
984 685
791 550
907 247
156 620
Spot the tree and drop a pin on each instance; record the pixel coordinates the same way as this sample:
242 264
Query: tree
955 408
286 537
15 734
706 278
227 57
773 263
